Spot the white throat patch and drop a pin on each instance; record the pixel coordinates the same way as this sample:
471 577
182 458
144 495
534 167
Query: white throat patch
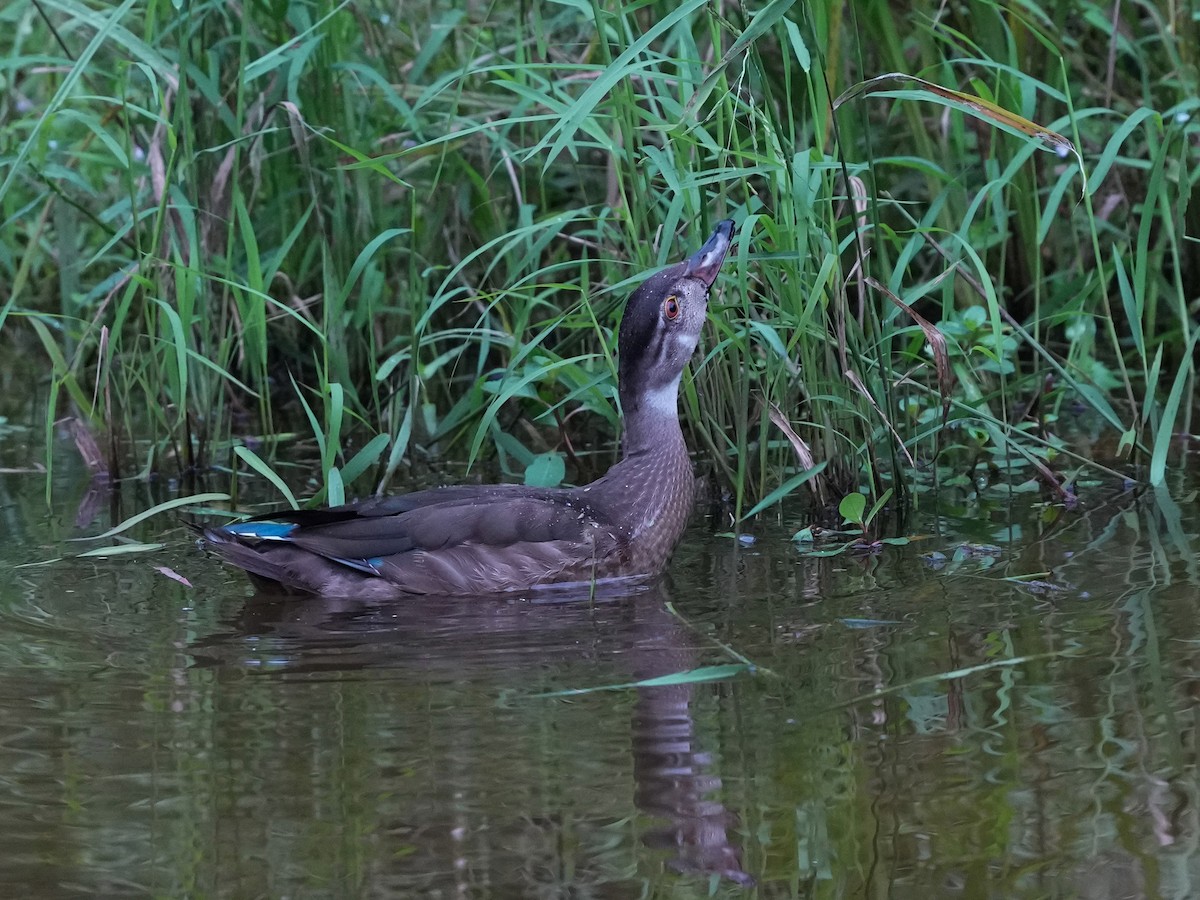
664 400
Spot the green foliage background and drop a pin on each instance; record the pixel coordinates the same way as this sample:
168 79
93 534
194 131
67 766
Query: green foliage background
404 231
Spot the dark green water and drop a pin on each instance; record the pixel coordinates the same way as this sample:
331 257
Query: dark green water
921 732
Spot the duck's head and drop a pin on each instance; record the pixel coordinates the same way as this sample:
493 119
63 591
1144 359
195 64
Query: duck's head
660 330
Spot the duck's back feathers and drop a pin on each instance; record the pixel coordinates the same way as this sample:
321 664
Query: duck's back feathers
455 540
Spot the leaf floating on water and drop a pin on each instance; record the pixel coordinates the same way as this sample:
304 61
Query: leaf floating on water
1040 586
40 562
957 674
173 575
746 540
121 550
977 551
820 554
691 676
869 623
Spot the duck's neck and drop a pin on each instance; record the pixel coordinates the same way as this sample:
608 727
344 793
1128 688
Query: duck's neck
653 482
651 420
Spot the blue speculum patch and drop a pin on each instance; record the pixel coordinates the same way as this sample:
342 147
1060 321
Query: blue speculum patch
265 530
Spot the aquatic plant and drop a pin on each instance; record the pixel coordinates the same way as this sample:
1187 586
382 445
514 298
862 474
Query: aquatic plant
380 239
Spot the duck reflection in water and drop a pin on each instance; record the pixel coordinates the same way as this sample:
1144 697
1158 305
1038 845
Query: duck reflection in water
669 770
498 646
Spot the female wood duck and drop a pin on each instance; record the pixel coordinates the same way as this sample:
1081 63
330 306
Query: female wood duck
485 539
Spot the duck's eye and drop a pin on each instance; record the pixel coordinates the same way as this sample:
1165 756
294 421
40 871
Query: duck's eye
671 307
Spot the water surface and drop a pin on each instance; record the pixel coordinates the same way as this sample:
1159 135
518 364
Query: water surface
1013 720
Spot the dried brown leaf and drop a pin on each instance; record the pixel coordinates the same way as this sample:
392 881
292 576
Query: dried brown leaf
89 448
172 574
799 447
984 109
937 343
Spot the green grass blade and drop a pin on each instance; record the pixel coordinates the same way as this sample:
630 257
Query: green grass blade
1166 426
167 506
691 676
252 459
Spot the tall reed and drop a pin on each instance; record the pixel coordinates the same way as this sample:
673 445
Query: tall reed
405 233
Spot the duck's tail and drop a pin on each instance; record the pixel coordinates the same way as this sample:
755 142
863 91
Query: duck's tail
270 572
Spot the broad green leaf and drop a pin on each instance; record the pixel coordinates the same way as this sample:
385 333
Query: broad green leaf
546 470
852 507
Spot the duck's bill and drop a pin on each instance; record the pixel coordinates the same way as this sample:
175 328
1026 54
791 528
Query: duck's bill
706 263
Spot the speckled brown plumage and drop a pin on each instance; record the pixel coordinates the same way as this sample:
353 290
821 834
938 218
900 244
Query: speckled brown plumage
498 538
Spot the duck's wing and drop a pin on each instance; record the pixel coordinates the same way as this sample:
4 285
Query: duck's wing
457 540
398 504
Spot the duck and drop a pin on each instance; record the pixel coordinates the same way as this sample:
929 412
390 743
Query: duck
468 540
